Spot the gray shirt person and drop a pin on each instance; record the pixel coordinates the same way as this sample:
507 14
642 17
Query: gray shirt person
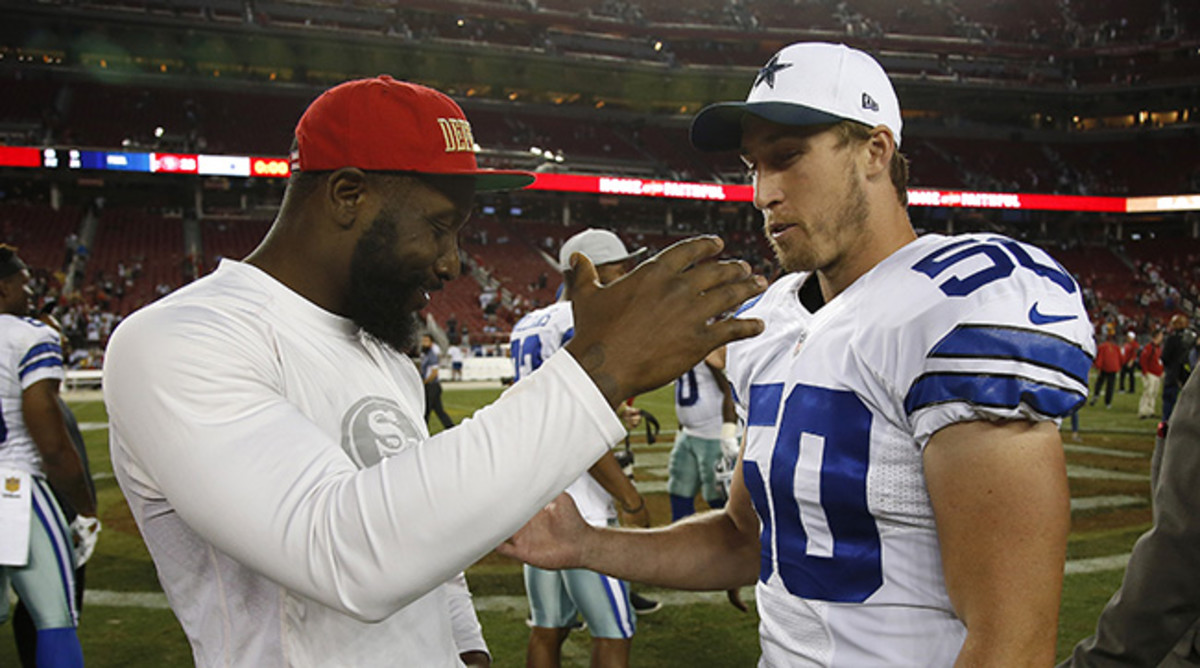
1152 620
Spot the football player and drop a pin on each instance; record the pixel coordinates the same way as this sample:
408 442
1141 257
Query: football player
901 496
555 597
37 553
707 432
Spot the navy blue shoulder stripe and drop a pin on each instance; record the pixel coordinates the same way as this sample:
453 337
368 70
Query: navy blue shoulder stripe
1016 343
40 349
993 390
44 362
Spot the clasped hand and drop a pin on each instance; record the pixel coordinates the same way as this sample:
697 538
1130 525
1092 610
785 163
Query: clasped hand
656 322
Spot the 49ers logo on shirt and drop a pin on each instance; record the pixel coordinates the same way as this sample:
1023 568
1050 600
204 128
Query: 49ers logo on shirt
374 428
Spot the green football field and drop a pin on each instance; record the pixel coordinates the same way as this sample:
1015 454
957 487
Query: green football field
125 621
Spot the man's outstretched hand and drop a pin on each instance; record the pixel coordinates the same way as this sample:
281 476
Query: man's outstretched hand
554 539
656 322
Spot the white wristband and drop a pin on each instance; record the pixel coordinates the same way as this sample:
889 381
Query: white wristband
728 430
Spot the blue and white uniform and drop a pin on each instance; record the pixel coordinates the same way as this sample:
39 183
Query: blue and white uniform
556 596
699 403
44 574
839 402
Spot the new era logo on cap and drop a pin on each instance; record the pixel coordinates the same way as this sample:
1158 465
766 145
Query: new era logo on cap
869 102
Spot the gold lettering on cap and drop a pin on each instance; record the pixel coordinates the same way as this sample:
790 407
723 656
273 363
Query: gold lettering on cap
447 133
457 134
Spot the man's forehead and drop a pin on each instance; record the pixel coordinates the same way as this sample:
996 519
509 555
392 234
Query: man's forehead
760 132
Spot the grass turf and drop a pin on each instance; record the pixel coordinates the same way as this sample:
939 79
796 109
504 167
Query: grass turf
679 635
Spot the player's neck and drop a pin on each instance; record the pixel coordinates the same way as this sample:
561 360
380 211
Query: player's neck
883 239
291 259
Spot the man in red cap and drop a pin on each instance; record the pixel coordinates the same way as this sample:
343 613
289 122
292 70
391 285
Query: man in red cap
268 433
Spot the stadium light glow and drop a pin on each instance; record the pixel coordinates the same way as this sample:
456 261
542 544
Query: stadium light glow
277 167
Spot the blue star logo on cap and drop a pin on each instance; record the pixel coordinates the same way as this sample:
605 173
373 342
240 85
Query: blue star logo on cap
767 73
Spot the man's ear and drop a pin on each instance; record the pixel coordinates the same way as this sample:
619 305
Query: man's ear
880 147
346 193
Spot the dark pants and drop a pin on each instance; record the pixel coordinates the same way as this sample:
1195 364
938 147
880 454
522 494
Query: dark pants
1170 396
1106 378
1127 373
433 402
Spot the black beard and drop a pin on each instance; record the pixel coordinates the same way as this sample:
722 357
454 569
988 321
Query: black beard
381 288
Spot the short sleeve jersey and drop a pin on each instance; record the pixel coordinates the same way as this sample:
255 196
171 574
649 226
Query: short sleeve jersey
534 339
30 352
840 401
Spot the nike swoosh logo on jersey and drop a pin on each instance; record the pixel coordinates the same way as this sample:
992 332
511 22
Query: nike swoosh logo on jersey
1039 318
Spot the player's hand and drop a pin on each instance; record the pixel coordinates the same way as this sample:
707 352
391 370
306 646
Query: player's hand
641 518
656 322
735 599
476 659
85 533
724 469
553 539
630 415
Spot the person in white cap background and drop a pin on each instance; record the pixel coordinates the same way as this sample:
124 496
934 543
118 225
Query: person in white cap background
901 493
557 596
267 430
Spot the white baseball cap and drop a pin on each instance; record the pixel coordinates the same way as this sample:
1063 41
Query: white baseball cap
808 83
600 246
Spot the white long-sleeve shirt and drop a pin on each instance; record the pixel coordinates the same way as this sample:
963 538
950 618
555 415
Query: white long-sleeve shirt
297 511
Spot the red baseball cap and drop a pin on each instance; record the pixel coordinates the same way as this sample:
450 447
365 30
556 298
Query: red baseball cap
382 124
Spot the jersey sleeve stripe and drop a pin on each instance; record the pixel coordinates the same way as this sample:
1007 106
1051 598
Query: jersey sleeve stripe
990 390
39 364
1015 343
39 350
747 305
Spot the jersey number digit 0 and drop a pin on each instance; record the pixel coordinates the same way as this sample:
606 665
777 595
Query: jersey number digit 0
828 550
686 393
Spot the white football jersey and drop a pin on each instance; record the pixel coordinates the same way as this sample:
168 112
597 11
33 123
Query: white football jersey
29 352
699 402
534 339
840 400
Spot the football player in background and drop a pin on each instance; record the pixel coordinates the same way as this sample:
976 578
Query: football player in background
707 432
36 452
901 496
555 597
85 530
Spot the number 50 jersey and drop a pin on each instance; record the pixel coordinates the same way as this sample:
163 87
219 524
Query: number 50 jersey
839 401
